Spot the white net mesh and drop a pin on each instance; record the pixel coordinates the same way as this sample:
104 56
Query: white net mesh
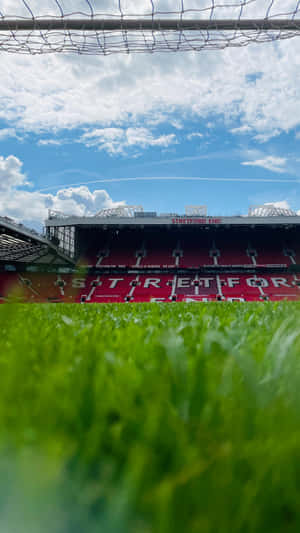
114 26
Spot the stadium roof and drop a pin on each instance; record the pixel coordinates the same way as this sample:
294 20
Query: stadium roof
135 216
20 244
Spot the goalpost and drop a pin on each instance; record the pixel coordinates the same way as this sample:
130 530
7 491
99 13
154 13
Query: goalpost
77 26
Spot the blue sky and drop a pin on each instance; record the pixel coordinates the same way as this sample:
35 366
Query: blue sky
72 128
183 173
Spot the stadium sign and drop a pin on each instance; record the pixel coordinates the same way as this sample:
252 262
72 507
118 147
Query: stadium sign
194 220
188 282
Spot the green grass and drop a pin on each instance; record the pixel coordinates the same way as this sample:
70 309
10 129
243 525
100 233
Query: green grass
150 418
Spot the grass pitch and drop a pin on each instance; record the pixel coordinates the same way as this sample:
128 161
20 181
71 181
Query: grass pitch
150 418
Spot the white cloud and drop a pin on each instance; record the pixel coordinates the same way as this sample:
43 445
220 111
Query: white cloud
260 8
264 137
257 87
11 175
118 140
32 206
51 142
6 133
177 124
51 93
194 135
275 164
283 204
241 129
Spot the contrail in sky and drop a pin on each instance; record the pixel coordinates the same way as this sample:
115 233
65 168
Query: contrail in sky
170 178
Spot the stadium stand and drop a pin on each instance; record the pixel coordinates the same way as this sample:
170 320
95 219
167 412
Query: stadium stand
126 259
233 250
43 287
8 284
107 288
151 288
158 251
268 251
197 250
121 251
291 249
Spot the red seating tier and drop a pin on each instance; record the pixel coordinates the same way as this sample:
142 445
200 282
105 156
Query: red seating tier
195 249
8 285
234 256
145 288
159 252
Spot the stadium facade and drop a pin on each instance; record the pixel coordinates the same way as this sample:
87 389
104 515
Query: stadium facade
129 255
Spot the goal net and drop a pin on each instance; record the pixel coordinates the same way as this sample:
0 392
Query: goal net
114 26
